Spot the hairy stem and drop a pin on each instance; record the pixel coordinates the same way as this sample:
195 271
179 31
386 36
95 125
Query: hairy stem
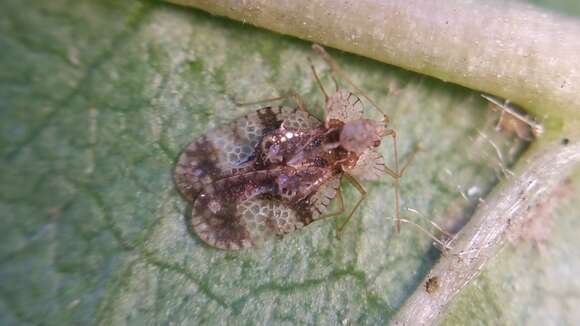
502 214
508 49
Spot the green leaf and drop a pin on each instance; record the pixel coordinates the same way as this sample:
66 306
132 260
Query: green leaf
97 99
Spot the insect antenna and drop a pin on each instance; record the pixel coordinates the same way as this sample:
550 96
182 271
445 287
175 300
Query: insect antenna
318 80
397 174
335 83
336 69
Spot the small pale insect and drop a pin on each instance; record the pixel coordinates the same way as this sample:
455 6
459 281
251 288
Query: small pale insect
275 171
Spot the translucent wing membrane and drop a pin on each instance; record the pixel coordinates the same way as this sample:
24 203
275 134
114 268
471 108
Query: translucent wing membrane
298 119
265 218
244 210
344 106
370 166
225 151
321 199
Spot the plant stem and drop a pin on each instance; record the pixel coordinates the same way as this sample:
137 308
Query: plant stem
502 214
508 49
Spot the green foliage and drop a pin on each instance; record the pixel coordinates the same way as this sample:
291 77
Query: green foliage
97 98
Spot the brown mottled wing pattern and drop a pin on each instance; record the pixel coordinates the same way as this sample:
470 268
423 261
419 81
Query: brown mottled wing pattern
216 213
267 217
344 106
227 150
245 223
234 205
244 210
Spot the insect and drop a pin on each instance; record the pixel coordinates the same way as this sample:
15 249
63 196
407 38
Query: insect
276 170
513 120
432 284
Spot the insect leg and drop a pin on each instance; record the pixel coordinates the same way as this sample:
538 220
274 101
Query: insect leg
396 174
363 196
336 70
393 172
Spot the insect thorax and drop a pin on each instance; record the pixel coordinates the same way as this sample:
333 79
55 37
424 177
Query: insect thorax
315 149
306 159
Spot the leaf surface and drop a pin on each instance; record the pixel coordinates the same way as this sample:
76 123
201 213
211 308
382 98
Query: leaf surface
97 99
